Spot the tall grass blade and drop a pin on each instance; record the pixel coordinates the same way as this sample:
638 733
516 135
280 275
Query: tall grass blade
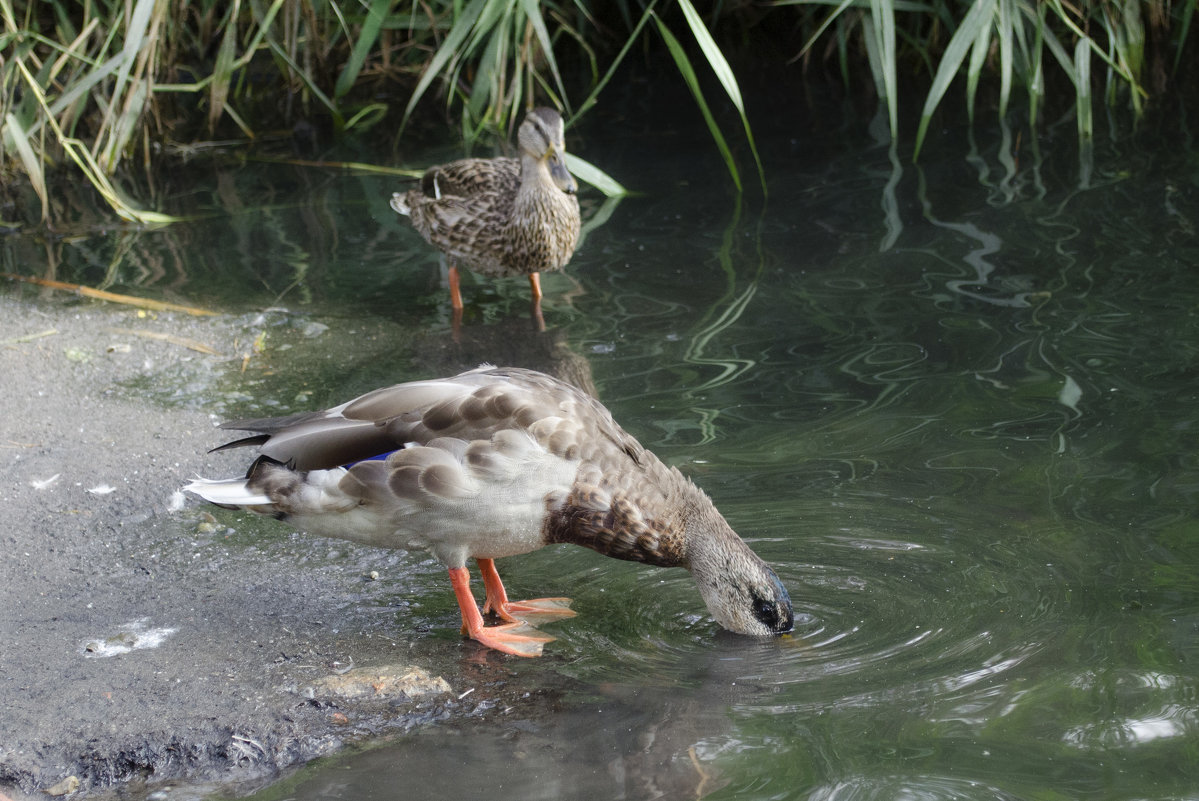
874 58
83 158
724 73
222 71
633 37
533 13
84 85
899 5
1082 67
961 42
1184 27
1083 37
125 126
1050 42
135 36
1036 81
688 72
978 55
308 81
368 35
117 128
449 49
882 14
1006 21
1128 37
829 20
486 98
29 160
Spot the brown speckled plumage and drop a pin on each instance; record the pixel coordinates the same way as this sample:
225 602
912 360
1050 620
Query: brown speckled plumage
502 216
495 462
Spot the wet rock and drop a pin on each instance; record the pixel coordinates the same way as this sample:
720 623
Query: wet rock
315 329
65 787
384 683
136 635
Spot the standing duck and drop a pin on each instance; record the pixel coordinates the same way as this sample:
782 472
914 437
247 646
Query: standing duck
501 216
490 463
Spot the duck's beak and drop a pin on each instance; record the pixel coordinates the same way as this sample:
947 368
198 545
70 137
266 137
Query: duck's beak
562 177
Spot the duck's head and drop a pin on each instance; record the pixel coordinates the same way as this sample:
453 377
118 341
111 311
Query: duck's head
541 137
748 598
741 591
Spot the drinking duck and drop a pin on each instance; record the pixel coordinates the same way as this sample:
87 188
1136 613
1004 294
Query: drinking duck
490 463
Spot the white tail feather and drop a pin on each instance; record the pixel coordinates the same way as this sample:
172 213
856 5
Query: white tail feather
399 204
227 492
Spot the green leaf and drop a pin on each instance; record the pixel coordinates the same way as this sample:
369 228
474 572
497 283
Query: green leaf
458 33
955 52
832 17
874 58
882 14
29 159
367 36
533 12
724 73
308 82
712 53
898 5
590 101
978 55
1082 65
135 36
222 72
1188 12
1006 22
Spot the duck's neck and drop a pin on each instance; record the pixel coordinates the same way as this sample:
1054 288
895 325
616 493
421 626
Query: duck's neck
535 177
711 542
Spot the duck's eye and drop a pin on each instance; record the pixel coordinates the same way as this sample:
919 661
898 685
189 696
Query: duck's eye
766 612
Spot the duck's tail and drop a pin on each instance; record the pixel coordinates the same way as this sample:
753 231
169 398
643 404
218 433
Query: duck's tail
400 203
230 492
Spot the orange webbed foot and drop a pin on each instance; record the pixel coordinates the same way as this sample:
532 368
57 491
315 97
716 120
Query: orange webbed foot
534 610
511 638
514 637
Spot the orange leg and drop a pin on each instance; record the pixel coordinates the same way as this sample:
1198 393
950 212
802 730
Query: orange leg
504 638
535 285
517 611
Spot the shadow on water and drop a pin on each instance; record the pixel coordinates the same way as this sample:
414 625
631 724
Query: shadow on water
954 404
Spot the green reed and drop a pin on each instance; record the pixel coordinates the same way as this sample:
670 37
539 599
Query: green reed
103 84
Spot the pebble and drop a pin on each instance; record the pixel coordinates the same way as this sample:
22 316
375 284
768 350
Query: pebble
65 787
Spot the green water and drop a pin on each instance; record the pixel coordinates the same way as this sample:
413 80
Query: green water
953 405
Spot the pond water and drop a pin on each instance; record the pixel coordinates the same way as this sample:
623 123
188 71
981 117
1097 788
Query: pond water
954 404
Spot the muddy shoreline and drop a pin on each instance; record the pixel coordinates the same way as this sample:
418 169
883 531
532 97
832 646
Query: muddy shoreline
147 642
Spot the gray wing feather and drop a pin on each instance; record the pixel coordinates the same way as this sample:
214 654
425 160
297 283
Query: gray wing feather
479 404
